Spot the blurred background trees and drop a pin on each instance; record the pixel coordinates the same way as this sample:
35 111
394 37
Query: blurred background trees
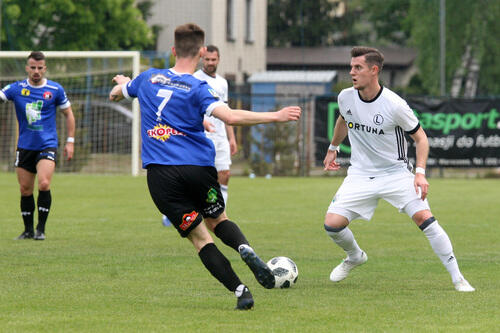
472 30
77 25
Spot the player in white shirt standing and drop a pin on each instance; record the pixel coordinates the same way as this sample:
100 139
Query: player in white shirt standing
375 119
222 135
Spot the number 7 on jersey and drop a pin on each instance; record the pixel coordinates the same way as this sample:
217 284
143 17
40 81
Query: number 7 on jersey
166 94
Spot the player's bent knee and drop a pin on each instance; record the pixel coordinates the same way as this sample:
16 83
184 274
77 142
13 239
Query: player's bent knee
335 221
422 216
213 222
200 237
44 185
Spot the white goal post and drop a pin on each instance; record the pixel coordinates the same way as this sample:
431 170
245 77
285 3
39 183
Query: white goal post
86 78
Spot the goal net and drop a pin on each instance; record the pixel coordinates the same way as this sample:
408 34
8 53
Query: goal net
107 133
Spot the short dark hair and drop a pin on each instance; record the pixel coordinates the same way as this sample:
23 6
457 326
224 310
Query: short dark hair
213 48
189 38
372 55
36 55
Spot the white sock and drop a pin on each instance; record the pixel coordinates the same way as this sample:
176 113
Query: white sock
223 189
345 239
239 290
441 244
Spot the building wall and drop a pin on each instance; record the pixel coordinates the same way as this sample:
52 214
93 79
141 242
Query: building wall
169 14
238 56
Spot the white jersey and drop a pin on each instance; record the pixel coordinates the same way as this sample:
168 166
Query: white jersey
376 131
219 84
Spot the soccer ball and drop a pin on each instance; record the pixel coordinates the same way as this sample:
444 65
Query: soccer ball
285 271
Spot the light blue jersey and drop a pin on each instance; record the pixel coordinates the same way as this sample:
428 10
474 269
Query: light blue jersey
172 109
36 112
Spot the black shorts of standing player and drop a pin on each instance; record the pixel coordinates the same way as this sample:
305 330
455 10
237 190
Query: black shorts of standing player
28 159
185 194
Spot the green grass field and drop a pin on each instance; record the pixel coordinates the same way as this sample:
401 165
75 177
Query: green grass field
108 264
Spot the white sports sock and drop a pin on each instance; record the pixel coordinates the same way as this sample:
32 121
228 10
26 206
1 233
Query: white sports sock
345 239
441 244
223 189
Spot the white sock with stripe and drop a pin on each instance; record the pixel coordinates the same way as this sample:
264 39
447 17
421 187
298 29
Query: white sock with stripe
441 244
345 239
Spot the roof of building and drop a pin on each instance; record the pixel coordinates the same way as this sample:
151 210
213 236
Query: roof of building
293 76
335 55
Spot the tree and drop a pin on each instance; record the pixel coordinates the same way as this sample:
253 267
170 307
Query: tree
471 41
387 20
73 25
308 23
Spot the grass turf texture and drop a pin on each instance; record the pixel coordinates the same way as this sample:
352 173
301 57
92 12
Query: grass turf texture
108 264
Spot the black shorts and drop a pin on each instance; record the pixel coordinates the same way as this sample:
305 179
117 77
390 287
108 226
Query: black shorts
28 159
185 194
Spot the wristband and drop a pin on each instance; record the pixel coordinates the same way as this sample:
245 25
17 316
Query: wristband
420 170
333 148
70 139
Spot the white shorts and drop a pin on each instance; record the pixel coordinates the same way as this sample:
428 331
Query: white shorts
222 153
358 196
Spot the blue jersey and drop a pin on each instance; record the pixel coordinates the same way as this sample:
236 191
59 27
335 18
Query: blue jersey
36 112
172 109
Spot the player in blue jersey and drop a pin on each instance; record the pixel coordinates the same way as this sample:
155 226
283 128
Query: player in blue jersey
36 100
179 158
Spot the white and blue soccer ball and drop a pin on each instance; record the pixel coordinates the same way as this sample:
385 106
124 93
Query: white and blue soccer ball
285 271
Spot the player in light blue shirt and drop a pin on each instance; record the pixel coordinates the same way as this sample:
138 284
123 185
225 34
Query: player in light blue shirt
36 100
179 158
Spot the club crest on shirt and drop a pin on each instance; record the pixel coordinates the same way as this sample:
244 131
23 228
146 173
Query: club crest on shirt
378 119
163 132
47 95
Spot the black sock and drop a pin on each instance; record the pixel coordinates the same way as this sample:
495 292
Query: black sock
219 266
230 234
27 210
44 201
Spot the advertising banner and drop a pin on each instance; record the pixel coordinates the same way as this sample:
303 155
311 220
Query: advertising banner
462 133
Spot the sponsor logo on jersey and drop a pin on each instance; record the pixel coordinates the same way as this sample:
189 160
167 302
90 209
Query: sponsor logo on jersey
378 119
212 195
349 113
163 132
34 111
188 219
166 81
159 78
25 92
47 95
365 128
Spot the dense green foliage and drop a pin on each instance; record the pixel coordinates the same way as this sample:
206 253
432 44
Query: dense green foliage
76 25
412 23
108 265
468 22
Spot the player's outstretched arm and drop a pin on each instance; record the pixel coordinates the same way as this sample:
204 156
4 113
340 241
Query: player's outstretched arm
116 93
243 117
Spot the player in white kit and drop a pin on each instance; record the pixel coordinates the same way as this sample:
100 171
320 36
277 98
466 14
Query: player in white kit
222 135
375 119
